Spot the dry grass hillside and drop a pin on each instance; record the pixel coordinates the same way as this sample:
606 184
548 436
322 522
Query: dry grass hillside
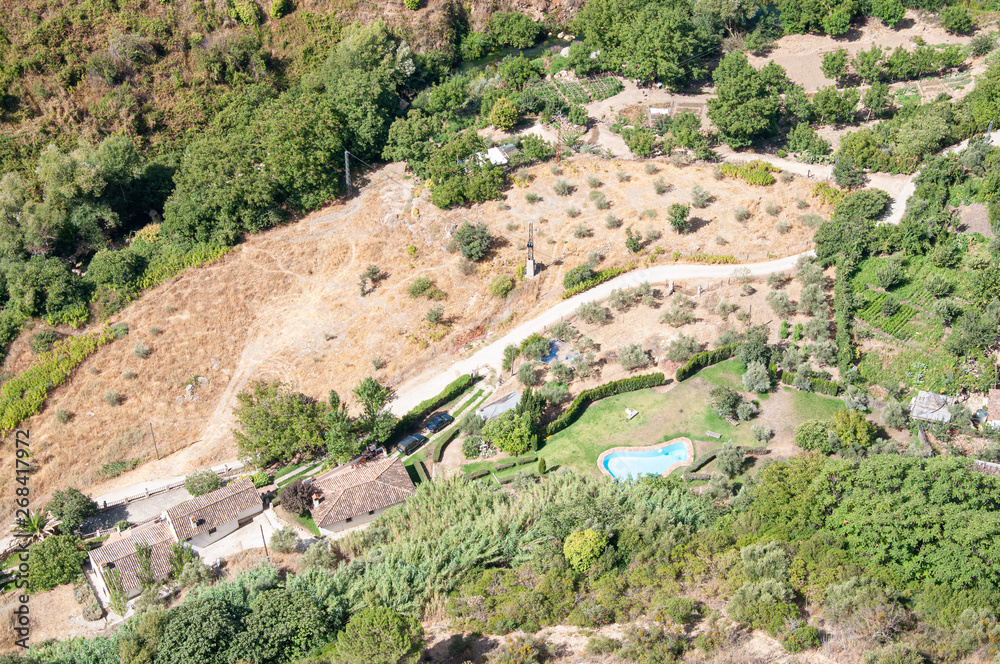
286 305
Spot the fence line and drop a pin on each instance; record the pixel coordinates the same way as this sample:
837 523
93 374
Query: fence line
225 473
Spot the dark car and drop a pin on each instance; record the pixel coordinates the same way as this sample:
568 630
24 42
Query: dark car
438 422
410 443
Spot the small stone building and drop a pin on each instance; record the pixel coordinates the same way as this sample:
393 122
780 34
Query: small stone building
357 493
931 407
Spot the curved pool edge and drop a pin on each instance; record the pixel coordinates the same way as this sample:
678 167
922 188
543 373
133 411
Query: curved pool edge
688 445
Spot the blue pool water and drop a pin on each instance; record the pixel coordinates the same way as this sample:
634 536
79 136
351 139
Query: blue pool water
644 462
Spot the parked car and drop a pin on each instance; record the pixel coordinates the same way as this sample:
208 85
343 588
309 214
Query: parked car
411 443
439 421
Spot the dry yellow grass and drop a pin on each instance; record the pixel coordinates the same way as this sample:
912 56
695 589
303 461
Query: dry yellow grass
285 305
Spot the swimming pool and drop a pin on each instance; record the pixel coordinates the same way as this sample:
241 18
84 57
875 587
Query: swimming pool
636 461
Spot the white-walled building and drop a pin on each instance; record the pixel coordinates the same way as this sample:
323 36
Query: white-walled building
358 493
117 560
207 519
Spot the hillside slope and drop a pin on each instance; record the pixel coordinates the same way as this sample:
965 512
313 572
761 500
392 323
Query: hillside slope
285 305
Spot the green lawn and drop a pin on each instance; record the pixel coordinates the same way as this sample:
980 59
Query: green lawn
681 411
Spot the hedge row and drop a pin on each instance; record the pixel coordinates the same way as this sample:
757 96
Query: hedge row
700 462
598 278
425 408
710 259
584 399
818 384
25 394
421 471
843 317
704 359
443 443
531 473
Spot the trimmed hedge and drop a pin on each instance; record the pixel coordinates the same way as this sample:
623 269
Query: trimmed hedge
584 399
424 408
443 443
704 359
700 463
421 471
818 384
598 278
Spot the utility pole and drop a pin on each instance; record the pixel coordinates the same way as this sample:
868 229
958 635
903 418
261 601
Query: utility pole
529 268
347 171
266 554
154 441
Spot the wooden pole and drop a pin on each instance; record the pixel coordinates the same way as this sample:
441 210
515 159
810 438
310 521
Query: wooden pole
154 441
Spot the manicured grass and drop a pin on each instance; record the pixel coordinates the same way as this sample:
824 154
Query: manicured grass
465 405
681 412
287 470
812 406
727 372
306 521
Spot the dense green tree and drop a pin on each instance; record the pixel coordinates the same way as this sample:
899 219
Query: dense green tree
199 631
341 433
276 423
55 561
835 64
664 46
957 20
45 287
115 268
474 240
378 635
282 626
303 140
71 507
890 12
220 192
853 429
814 435
141 640
513 29
376 422
869 65
729 459
832 106
748 101
510 433
460 176
583 547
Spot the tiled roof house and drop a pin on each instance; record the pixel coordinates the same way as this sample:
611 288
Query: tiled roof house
211 517
357 493
118 556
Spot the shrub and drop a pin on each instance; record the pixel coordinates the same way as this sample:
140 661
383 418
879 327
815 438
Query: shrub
419 286
660 186
803 637
593 181
536 347
633 241
580 230
622 176
650 168
651 645
937 285
729 459
600 202
632 357
700 197
583 547
889 273
573 213
433 316
201 482
894 653
678 216
470 448
474 240
532 197
772 209
756 378
982 44
297 497
592 313
466 267
63 416
562 188
42 342
782 227
602 645
259 479
611 222
526 374
741 213
285 540
55 561
554 392
379 634
501 285
764 604
112 398
894 414
724 401
652 234
562 372
519 650
504 114
141 351
563 331
682 348
957 20
761 434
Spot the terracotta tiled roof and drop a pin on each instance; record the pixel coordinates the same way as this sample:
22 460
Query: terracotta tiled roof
213 509
993 406
118 552
361 488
